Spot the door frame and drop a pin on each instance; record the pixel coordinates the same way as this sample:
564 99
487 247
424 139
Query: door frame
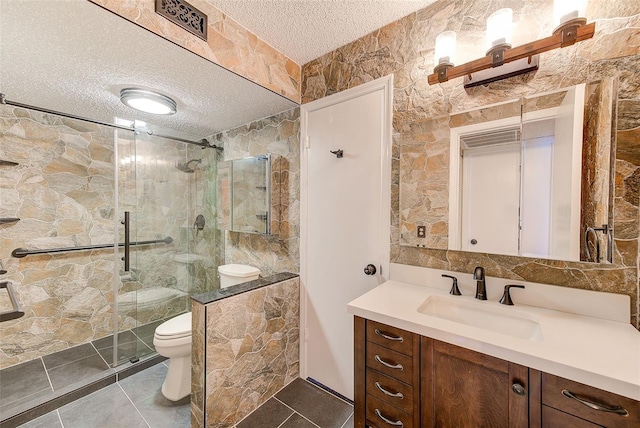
386 85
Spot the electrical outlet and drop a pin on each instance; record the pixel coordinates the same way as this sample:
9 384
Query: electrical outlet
422 231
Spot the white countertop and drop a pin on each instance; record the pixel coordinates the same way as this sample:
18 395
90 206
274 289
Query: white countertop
594 351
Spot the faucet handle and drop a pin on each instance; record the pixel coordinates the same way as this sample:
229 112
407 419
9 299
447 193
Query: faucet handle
506 297
454 287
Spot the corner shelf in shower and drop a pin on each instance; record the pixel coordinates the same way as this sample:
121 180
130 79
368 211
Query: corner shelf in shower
7 220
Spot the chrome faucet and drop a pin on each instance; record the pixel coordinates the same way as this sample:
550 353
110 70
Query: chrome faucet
481 289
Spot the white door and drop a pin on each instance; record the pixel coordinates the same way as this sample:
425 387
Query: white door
345 222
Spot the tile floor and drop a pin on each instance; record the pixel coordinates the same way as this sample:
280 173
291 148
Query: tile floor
43 379
136 402
301 405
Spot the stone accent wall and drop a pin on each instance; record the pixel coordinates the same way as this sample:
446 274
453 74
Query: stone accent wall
280 136
229 44
63 191
251 343
405 48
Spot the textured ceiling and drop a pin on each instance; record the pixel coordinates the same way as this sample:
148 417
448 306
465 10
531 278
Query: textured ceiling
303 30
76 58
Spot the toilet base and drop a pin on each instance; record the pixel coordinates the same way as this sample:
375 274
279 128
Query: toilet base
177 385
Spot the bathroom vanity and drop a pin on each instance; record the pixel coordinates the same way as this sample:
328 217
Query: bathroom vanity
424 358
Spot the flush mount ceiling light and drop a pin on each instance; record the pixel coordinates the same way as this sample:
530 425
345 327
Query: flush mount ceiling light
501 60
147 101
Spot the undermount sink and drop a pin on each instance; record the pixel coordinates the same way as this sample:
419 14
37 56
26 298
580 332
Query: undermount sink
481 315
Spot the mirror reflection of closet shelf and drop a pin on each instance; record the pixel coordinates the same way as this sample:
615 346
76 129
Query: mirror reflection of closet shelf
246 193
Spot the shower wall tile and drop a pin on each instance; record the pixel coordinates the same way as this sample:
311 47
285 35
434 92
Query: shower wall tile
251 349
229 44
63 191
279 136
405 48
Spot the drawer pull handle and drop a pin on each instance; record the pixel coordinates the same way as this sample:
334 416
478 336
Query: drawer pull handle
391 366
386 336
390 422
390 394
599 407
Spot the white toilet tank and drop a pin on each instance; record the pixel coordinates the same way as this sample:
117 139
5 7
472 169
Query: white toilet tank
235 274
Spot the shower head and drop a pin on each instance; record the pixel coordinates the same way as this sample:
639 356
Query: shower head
186 167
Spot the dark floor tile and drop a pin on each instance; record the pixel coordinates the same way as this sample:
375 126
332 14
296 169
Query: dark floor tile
22 382
50 420
144 384
146 332
69 355
297 421
129 346
107 408
77 371
270 415
128 369
315 404
162 413
349 423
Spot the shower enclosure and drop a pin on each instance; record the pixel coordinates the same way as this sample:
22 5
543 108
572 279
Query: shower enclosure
101 238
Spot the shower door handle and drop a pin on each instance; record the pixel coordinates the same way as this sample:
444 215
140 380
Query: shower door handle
127 241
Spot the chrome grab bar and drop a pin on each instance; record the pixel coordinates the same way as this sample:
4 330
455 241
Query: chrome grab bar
17 311
23 252
595 406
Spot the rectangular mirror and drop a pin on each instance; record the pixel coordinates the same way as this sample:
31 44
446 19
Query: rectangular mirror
528 177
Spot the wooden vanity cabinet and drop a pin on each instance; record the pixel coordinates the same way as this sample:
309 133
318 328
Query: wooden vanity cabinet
463 388
446 386
387 376
561 405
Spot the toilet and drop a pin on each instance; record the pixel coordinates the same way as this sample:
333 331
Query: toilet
172 338
236 274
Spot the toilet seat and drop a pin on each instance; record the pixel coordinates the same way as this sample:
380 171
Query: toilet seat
175 328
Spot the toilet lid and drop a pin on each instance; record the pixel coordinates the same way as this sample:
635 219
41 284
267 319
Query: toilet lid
239 271
175 327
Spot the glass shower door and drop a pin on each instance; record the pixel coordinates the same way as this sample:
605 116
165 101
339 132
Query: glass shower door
154 194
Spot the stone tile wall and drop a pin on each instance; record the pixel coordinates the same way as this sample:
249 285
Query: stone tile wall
229 44
251 348
280 136
63 192
405 48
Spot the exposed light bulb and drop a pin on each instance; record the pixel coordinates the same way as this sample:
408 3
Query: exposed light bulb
445 50
499 28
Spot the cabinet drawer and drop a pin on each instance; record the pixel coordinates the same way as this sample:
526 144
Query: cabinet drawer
552 418
378 411
397 393
390 337
555 390
391 363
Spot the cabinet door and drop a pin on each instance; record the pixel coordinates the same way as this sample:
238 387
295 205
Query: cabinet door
463 388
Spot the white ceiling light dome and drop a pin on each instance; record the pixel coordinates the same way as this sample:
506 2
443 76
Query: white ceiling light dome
148 101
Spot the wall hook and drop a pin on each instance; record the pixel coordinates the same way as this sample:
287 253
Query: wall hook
339 153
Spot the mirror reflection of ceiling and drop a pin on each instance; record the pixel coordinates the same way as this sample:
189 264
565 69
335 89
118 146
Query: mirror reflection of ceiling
304 30
75 57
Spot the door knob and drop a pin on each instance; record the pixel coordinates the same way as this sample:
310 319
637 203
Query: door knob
370 269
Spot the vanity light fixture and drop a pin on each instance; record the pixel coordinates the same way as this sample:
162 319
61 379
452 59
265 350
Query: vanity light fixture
147 101
503 61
